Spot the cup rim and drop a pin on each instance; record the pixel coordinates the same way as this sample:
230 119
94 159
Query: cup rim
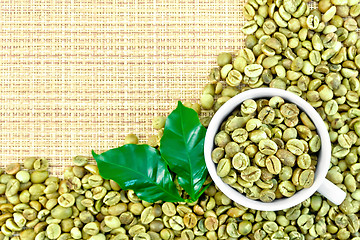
324 156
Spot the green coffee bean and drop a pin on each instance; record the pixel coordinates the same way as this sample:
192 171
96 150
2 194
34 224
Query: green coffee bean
207 101
12 168
222 138
60 212
251 174
268 147
257 135
231 149
223 59
12 187
136 208
147 216
92 228
270 62
66 200
239 135
53 231
80 161
41 164
289 110
245 227
224 167
39 176
250 27
27 234
232 230
329 14
315 143
306 178
350 24
247 54
270 227
287 188
217 154
240 63
267 195
312 21
273 164
253 124
176 223
354 11
168 209
266 115
235 123
240 161
253 70
234 78
248 106
251 40
295 146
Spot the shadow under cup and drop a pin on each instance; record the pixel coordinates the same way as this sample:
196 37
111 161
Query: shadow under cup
321 184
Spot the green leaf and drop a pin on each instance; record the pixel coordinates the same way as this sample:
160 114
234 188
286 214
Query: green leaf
140 168
182 147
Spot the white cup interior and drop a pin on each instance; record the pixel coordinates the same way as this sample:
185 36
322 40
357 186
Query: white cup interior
324 154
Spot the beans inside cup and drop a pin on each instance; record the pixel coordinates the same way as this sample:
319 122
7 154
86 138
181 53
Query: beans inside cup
267 149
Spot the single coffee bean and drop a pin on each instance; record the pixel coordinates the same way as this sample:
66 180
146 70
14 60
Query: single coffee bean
306 178
273 164
304 161
291 6
312 21
329 14
80 161
266 115
66 200
350 24
239 135
269 26
251 174
12 168
257 135
240 161
250 27
315 58
344 141
287 188
231 149
148 215
224 167
223 59
295 146
315 144
289 110
248 106
267 147
176 223
253 70
234 78
217 154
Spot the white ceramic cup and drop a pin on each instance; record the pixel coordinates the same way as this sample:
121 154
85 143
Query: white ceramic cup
321 184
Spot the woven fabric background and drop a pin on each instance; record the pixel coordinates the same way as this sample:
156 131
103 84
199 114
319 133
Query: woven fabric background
80 75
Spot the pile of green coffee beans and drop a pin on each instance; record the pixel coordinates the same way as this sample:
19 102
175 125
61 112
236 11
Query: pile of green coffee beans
82 205
312 53
262 150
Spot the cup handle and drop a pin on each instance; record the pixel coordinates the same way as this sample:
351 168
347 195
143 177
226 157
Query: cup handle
332 192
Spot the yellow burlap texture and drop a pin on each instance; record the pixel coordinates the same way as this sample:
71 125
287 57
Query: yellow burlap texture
80 75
